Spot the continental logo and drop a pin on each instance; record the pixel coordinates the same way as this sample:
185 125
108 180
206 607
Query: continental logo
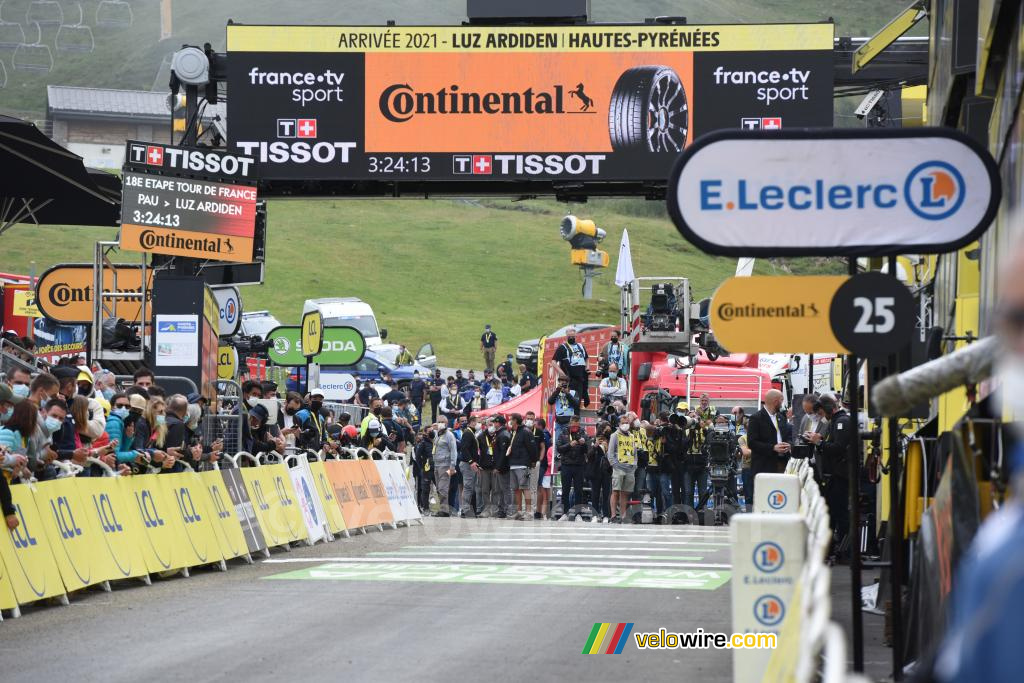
63 294
729 312
401 102
234 248
150 240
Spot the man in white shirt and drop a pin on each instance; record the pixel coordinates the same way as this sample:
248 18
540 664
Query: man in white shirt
613 387
494 396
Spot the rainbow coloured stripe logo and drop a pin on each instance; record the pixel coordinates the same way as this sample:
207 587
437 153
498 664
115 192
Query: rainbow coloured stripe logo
607 639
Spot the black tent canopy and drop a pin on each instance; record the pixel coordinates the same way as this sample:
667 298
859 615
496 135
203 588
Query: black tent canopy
45 184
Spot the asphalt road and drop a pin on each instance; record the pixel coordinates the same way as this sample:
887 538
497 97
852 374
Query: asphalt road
454 599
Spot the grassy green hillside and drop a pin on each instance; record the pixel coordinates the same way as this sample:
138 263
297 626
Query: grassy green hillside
131 57
433 270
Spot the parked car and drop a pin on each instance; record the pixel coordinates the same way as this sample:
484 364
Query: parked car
389 352
527 351
370 368
348 312
257 324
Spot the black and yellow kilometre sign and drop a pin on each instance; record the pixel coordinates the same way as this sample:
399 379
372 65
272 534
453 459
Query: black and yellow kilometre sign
478 104
871 314
312 333
768 314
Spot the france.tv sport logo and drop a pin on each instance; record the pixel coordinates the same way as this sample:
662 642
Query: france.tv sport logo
933 190
607 638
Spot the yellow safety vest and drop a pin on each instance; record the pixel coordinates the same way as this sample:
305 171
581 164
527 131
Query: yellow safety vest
626 451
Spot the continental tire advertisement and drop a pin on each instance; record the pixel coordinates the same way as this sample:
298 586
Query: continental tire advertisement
605 103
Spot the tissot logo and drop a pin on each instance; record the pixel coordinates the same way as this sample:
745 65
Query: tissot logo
400 102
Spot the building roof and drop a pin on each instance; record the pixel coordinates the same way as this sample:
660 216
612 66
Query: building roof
74 102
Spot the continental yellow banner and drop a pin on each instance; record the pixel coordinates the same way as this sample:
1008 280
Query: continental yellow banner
719 38
768 314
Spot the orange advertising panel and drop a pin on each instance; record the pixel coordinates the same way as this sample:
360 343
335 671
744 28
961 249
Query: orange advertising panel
350 488
64 293
379 511
186 243
546 98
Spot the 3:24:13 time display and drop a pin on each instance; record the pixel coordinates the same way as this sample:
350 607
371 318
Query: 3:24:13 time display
399 164
168 220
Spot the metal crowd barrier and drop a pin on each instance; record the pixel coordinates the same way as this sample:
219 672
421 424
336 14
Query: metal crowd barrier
225 427
822 651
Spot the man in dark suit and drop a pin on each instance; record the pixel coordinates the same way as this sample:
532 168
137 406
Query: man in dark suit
766 437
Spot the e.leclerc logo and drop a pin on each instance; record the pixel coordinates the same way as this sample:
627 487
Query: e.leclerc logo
769 610
768 557
933 190
777 499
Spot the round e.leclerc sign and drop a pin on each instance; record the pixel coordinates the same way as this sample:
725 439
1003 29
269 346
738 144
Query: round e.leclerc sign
835 192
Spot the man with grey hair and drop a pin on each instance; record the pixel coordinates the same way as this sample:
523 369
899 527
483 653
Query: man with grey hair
105 384
768 449
177 431
445 456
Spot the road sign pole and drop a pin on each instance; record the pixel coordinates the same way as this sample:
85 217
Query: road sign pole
895 531
852 389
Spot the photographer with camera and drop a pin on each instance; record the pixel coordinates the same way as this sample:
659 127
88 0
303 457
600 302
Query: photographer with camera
571 451
613 387
571 364
693 472
659 467
746 474
566 403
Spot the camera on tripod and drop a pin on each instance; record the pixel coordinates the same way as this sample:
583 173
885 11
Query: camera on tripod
720 449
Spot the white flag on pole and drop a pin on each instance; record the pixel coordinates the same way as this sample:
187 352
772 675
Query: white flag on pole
624 270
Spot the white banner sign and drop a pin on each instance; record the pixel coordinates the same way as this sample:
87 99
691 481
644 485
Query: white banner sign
855 192
309 502
338 386
399 491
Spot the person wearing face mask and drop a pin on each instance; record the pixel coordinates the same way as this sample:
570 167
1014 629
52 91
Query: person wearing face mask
507 370
834 453
453 404
19 380
445 455
492 442
613 387
571 363
469 454
423 468
612 353
622 456
261 441
7 403
572 449
14 440
308 424
98 406
522 454
376 408
565 402
599 471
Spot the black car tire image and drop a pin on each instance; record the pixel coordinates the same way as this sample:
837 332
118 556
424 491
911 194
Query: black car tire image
649 111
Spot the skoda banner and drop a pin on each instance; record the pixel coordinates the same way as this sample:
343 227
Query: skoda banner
868 192
342 346
470 103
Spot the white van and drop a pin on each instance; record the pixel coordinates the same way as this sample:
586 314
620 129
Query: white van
348 311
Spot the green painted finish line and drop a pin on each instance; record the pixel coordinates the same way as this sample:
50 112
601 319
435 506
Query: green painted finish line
553 575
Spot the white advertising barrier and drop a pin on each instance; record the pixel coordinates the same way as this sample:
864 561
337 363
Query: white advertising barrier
400 495
338 386
768 552
776 493
879 191
309 502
